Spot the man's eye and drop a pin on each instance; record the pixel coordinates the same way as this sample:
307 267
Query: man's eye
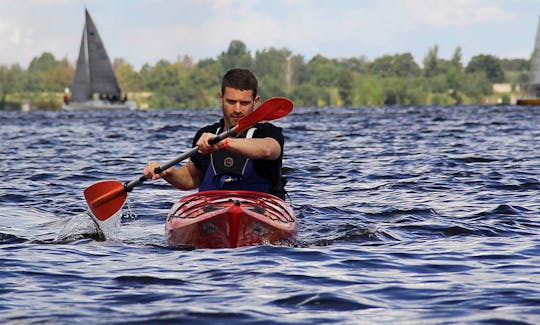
242 102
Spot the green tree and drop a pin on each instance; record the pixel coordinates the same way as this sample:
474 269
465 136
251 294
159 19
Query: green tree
430 62
392 91
42 63
324 72
211 73
298 71
58 77
205 79
404 66
346 86
270 87
168 83
128 78
306 94
355 64
369 91
382 66
476 86
45 73
488 64
10 81
515 64
399 65
455 62
272 63
161 75
236 56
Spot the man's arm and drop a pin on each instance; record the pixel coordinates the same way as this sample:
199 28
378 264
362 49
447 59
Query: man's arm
187 177
265 148
253 148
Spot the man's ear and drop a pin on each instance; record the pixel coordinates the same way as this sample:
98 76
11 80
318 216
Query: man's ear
220 97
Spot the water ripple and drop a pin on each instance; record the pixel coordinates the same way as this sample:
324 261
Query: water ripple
407 215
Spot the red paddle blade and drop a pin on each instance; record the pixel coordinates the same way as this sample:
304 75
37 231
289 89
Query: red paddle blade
272 109
105 198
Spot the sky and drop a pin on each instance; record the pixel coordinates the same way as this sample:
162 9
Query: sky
147 31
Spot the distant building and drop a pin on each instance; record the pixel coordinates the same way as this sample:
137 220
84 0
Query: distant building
504 88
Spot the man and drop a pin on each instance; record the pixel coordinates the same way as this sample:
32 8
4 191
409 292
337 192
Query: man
250 161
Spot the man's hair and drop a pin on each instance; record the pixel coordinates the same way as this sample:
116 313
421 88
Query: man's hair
242 79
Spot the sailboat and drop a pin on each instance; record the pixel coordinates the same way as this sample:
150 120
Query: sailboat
534 75
95 85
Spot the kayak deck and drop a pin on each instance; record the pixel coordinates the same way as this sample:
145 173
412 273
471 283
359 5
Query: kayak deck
229 219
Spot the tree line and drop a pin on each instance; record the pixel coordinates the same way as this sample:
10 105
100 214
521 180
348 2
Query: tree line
387 80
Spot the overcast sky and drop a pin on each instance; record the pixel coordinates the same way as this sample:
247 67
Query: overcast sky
146 31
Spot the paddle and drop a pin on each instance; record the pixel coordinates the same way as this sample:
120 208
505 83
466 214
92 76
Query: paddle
105 198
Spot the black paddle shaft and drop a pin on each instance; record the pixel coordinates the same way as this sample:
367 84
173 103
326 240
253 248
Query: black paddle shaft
128 187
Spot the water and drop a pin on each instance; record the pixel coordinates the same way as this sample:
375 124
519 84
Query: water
410 215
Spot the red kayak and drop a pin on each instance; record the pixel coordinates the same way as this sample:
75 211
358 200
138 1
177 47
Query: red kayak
228 219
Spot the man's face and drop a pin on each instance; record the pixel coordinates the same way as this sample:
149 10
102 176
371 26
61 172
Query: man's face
236 104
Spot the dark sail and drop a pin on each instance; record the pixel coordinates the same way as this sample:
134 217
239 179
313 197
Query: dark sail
534 77
81 84
103 80
94 73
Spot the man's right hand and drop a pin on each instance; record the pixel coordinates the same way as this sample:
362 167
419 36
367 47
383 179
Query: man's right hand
149 171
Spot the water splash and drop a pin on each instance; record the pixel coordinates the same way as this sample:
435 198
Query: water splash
86 225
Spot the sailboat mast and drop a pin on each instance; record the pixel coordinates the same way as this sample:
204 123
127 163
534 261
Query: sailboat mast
86 65
534 77
81 90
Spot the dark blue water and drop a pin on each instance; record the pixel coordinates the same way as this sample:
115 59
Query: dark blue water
407 215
